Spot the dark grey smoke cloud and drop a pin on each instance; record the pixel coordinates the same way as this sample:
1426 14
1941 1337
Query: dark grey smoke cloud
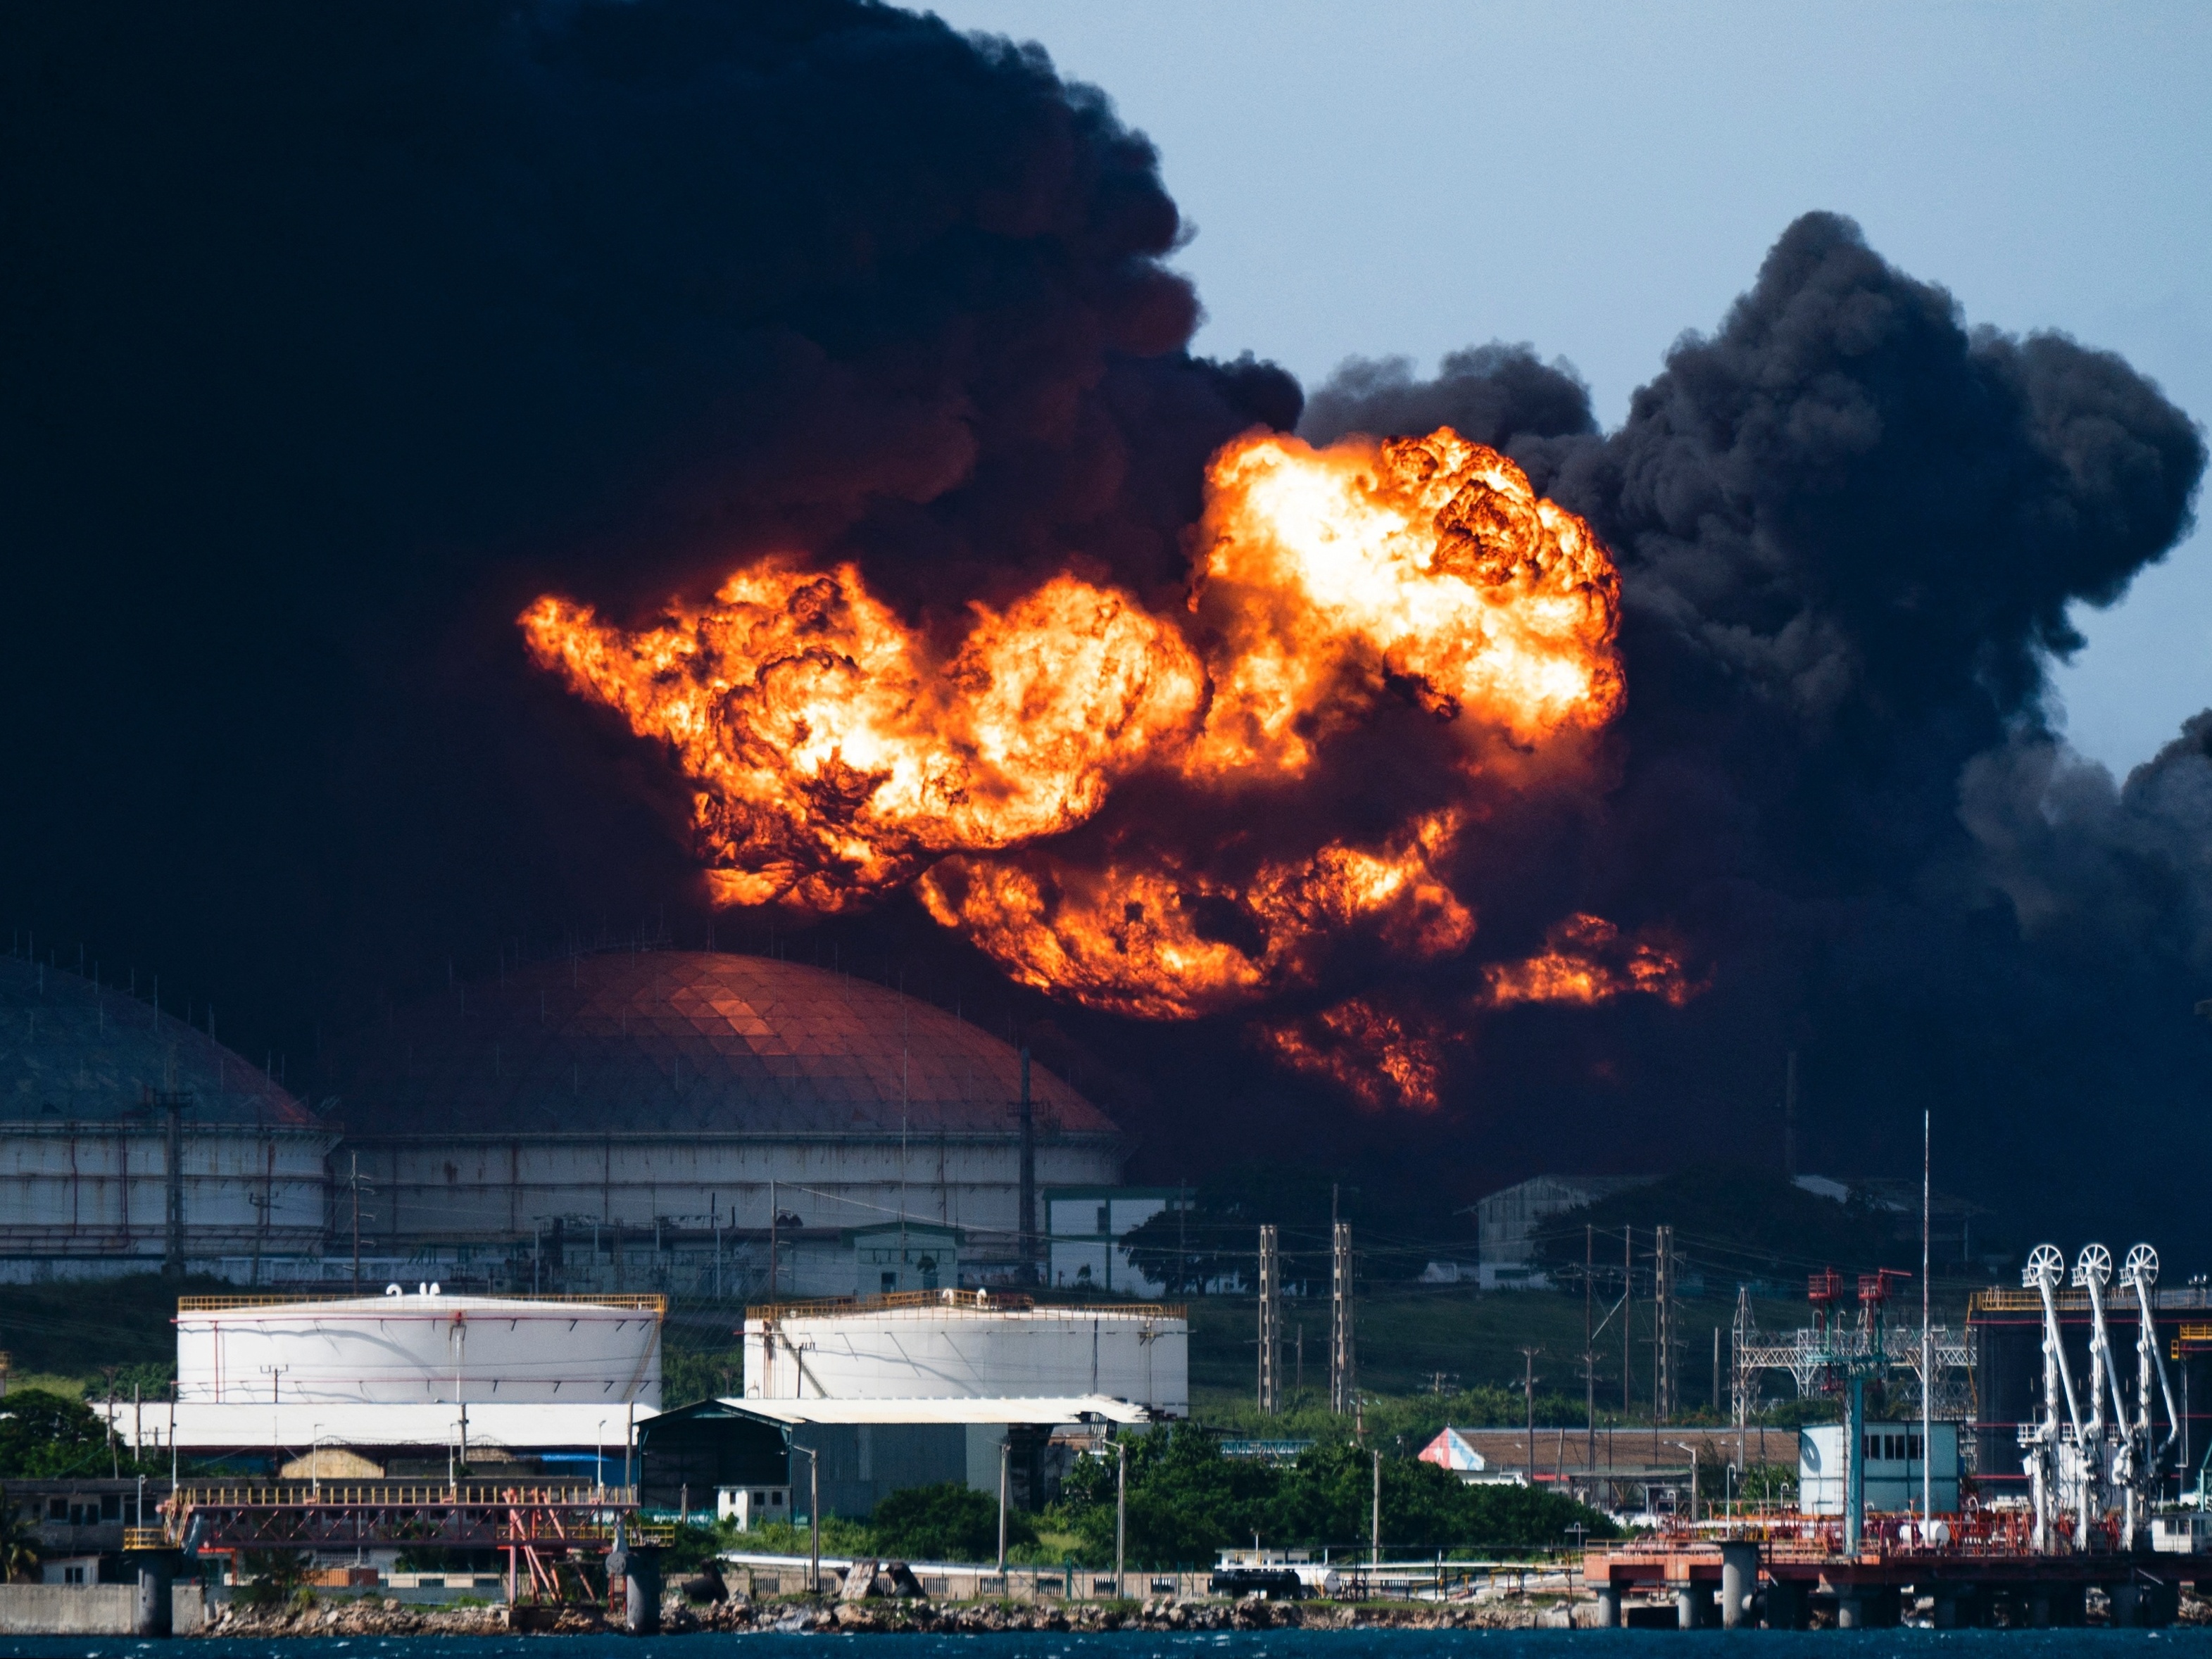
1849 526
331 335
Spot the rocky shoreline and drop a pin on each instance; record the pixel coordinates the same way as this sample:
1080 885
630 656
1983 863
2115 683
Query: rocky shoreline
877 1617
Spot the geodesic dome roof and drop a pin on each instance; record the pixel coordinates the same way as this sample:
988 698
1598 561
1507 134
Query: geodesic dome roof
75 1051
654 1041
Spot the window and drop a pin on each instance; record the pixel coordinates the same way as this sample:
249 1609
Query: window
111 1506
890 1281
57 1508
73 1575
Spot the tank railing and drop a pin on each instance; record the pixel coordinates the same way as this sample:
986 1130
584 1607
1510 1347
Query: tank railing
966 1301
2170 1298
634 1302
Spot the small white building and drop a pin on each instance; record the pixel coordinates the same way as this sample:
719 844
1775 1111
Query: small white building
1892 1473
951 1343
1509 1219
1086 1227
904 1255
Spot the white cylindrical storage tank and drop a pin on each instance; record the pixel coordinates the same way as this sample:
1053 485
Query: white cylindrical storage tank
419 1347
966 1345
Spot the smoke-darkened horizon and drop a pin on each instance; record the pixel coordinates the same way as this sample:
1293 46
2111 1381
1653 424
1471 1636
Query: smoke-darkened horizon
337 340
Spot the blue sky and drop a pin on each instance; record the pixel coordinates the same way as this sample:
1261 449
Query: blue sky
1408 176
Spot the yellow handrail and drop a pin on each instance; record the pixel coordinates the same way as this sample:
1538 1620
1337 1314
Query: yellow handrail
963 1301
331 1494
634 1302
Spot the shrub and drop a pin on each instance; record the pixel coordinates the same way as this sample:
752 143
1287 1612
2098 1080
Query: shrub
946 1522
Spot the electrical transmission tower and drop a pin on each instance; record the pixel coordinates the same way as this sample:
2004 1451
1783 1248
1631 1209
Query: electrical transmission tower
1271 1324
1340 1392
1662 1279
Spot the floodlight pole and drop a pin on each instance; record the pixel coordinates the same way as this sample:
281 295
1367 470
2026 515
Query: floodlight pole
1005 1460
1375 1522
1120 1515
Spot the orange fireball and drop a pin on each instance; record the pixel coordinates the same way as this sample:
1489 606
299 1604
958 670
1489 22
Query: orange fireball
836 756
1070 780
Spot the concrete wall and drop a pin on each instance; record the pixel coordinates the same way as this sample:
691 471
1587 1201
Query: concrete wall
68 1609
86 1196
509 1187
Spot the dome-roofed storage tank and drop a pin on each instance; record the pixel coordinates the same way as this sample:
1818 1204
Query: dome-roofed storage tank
696 1123
131 1139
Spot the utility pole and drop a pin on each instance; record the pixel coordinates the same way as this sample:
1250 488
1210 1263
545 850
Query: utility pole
1664 1390
1590 1358
1740 1338
1340 1390
173 1103
1120 1515
1271 1324
771 1239
354 1183
1627 1316
1029 1229
1716 1370
1375 1525
1529 1400
1006 1478
1928 1354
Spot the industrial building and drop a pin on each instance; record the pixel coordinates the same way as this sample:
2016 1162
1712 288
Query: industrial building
132 1139
683 1122
1085 1228
1894 1464
969 1345
735 1454
1508 1220
701 1123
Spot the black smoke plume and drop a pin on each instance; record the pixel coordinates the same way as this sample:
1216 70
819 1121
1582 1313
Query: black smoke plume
1849 527
329 336
334 335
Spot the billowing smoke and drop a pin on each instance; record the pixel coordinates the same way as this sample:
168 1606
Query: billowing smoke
1849 528
337 339
334 336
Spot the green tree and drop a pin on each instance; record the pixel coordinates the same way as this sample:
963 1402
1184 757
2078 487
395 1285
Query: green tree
693 1374
274 1576
45 1435
1186 1502
19 1542
946 1522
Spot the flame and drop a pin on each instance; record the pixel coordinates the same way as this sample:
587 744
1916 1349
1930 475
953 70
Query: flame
837 755
1143 810
1380 1056
1586 959
1144 933
1426 566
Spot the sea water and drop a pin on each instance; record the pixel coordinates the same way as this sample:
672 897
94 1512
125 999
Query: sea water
1135 1644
